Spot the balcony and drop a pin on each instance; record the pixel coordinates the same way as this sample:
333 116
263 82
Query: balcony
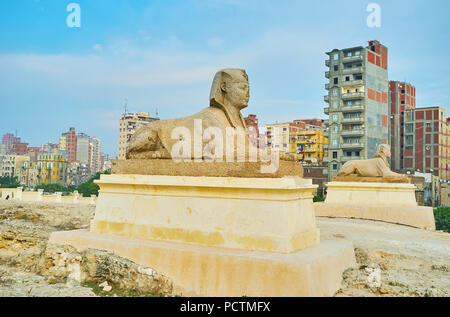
352 120
327 86
327 74
349 59
352 108
352 70
352 132
326 110
310 150
352 95
327 62
352 145
326 98
357 82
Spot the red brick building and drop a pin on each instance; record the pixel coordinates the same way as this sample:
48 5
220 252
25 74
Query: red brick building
20 148
426 141
71 145
251 121
402 97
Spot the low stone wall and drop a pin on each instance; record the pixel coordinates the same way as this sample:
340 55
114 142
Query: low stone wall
33 196
39 196
11 193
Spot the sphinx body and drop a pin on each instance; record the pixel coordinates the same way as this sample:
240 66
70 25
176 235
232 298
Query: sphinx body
375 167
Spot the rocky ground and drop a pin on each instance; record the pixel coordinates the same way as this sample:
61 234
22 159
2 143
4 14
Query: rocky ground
393 260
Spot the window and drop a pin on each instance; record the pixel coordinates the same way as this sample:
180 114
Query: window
403 91
347 78
335 104
428 124
348 153
335 166
336 68
348 54
334 154
335 80
335 143
358 77
403 102
335 117
356 153
349 103
357 53
335 92
335 56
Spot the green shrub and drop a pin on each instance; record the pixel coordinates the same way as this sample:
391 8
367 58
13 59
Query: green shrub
318 198
442 218
9 182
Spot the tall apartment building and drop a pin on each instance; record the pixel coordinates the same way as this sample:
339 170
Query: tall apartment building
426 142
83 141
9 140
127 126
402 97
96 163
52 169
68 142
358 103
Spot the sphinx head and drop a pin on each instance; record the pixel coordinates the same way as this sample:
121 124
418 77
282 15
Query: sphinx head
383 150
230 88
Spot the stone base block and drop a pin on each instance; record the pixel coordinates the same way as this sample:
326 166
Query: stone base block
274 214
415 216
211 271
376 194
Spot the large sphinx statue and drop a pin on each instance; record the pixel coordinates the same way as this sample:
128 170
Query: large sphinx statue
230 93
375 167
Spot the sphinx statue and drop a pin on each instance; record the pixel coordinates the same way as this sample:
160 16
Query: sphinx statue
374 167
230 93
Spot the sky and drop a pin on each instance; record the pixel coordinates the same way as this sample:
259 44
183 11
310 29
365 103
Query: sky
161 55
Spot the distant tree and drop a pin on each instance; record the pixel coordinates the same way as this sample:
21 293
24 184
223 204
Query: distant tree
9 182
442 218
90 188
56 187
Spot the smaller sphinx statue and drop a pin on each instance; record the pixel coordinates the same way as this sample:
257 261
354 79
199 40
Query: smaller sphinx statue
375 167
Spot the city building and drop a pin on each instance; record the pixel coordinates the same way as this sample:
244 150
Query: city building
310 143
9 140
19 148
83 141
402 97
52 169
95 155
426 142
10 165
68 142
28 174
357 103
312 122
278 135
128 124
251 122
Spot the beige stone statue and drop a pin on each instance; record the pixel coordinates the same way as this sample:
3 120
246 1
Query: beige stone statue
230 93
375 167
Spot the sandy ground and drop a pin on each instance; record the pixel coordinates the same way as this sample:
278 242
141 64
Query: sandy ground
411 261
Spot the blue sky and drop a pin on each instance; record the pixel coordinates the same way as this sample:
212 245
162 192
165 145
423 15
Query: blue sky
163 54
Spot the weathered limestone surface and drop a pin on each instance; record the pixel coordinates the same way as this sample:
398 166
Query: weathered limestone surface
390 202
376 179
210 169
211 271
274 214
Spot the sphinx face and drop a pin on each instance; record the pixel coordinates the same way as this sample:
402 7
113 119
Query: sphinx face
238 94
